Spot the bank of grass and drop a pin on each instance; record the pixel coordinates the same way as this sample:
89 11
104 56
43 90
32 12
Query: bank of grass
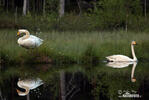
73 47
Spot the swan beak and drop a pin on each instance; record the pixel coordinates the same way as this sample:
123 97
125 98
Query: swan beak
18 33
134 43
17 90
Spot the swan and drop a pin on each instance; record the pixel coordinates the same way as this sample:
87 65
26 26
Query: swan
28 84
133 79
124 58
28 41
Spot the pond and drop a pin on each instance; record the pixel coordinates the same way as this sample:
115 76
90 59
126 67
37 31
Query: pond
75 82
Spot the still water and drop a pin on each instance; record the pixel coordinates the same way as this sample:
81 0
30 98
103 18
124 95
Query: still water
112 81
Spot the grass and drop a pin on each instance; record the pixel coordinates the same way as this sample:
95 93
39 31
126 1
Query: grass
73 47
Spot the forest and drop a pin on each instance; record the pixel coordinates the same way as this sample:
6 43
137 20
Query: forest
75 15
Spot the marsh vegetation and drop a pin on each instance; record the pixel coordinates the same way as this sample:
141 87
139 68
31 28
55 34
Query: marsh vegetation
73 47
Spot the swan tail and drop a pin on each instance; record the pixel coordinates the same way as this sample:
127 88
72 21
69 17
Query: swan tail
109 59
39 42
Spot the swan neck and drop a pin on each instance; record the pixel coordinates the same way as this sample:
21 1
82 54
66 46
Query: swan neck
27 34
26 90
133 53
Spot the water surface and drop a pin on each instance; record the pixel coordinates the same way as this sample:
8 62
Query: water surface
74 82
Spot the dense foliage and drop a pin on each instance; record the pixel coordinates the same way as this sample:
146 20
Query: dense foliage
80 15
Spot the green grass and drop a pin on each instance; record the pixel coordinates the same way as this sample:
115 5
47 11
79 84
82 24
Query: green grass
73 47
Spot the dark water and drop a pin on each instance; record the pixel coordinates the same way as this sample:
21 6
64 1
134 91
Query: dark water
75 82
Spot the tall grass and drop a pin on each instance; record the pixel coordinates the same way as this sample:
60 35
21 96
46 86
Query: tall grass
73 47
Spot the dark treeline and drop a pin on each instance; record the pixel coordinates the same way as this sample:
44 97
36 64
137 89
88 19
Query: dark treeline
90 14
38 6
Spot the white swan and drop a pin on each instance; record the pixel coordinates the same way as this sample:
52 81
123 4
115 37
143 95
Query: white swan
133 79
124 58
28 84
28 41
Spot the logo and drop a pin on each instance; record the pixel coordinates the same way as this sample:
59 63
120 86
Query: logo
128 94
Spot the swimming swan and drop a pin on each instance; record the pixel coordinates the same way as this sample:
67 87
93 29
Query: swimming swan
124 58
28 41
28 84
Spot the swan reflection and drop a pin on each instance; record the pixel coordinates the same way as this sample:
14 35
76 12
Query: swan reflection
123 65
28 84
133 79
119 64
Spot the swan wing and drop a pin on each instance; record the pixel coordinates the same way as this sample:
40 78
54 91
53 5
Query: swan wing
30 42
27 43
37 40
119 58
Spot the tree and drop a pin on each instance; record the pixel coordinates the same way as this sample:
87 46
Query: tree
62 8
24 7
145 8
62 85
44 7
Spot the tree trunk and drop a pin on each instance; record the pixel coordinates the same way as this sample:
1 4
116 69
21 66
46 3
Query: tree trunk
62 85
24 7
80 10
16 14
44 4
12 4
27 10
145 8
62 8
94 3
1 2
126 24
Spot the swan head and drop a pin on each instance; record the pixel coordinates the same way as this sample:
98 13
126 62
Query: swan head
133 43
20 93
22 31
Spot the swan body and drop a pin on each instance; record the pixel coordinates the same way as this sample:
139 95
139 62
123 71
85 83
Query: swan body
123 58
119 58
28 41
28 84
